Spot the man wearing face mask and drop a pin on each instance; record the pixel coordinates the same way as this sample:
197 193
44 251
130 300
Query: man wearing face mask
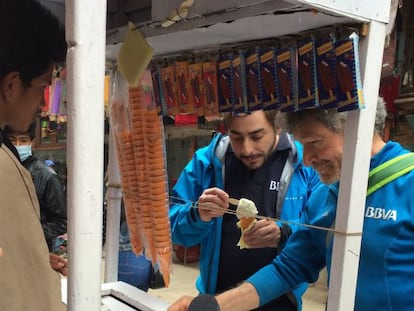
48 185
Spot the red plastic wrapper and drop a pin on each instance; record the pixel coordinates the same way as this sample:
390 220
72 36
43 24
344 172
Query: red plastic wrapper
211 106
183 88
169 89
195 75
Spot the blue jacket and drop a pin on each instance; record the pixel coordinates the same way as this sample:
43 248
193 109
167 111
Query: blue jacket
386 268
205 170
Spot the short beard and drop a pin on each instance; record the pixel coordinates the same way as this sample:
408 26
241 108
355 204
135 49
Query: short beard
328 172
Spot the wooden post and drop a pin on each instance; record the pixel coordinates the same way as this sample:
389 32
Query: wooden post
354 178
85 34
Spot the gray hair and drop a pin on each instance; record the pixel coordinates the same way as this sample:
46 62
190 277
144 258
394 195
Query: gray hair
330 118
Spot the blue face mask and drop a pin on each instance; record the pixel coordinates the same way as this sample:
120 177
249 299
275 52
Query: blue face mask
24 151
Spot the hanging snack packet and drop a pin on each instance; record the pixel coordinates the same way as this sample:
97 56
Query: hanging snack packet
325 63
253 80
307 90
270 96
349 94
211 104
169 89
239 82
286 60
183 88
197 98
225 82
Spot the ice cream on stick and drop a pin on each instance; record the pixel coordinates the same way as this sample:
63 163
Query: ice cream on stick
252 84
306 77
345 79
285 84
327 78
246 213
268 83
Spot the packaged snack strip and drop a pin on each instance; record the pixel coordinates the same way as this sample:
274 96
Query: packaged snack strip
155 85
270 96
195 74
285 59
239 82
225 82
349 94
326 68
169 89
147 86
183 88
253 79
211 107
160 103
307 91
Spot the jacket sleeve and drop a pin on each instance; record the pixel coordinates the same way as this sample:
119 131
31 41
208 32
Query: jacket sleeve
186 226
305 254
304 182
54 204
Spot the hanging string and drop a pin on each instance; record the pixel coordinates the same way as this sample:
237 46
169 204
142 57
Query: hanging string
192 204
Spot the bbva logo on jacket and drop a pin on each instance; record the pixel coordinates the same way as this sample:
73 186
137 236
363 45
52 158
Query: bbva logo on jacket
381 213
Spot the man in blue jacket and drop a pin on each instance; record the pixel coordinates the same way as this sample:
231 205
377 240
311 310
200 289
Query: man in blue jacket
387 251
255 161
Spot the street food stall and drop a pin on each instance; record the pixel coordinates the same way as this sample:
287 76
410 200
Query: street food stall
177 29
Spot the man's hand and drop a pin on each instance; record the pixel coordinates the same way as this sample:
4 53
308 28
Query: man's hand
59 264
1 252
181 304
212 203
265 233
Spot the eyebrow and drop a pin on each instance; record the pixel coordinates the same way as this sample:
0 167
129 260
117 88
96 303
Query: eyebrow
250 133
310 138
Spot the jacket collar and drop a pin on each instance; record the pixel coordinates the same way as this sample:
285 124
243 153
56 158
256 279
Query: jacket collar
5 140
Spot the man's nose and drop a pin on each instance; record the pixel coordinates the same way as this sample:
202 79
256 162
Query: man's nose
308 156
247 147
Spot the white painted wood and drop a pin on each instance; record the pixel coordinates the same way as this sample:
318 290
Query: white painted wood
191 36
376 10
113 198
120 296
354 177
135 297
85 34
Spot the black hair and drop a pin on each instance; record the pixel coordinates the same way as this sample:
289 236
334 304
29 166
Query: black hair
31 39
31 131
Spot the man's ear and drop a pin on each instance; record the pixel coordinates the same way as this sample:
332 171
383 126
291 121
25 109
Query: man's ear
10 85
